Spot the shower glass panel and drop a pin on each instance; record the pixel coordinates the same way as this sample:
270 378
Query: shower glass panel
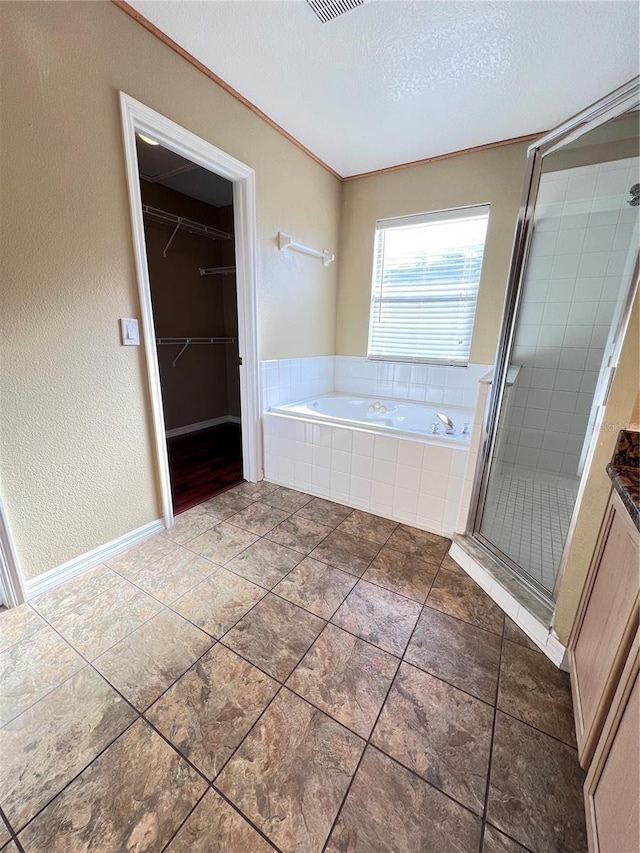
580 267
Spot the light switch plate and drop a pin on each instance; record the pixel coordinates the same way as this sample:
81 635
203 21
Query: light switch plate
129 332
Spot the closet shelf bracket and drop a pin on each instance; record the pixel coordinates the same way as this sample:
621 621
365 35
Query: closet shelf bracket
286 243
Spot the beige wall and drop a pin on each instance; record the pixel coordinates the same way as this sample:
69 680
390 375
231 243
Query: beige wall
495 176
620 413
76 462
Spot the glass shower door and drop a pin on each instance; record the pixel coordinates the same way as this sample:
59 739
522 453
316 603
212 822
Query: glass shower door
579 271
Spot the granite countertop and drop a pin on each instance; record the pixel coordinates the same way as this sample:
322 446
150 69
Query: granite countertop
624 470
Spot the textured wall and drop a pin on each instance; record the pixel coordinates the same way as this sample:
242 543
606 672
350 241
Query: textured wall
76 462
495 176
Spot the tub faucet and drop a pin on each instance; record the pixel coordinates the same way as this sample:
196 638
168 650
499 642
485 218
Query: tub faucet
377 407
450 427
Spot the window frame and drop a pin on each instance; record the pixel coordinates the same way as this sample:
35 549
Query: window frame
407 221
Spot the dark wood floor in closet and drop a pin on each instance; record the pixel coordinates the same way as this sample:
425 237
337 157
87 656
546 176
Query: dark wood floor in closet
203 464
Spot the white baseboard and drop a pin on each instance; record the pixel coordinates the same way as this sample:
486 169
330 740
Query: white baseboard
60 574
183 430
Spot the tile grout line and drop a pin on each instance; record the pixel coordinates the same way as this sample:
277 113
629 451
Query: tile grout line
368 740
399 660
492 742
12 834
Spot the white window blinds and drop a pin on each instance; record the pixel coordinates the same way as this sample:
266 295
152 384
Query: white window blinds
426 273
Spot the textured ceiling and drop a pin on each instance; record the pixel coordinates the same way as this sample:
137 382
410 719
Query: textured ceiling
398 80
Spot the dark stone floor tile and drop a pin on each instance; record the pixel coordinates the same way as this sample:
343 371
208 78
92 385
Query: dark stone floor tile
133 797
49 744
31 668
316 587
291 772
390 810
211 708
222 543
95 626
265 563
420 543
402 573
368 526
173 575
455 593
18 624
439 732
289 500
227 504
345 677
346 552
144 554
457 652
299 533
496 842
144 664
253 491
192 523
258 518
536 692
535 793
378 616
73 593
517 635
215 827
274 635
325 512
218 602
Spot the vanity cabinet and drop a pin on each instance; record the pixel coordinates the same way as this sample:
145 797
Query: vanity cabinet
604 661
605 626
612 787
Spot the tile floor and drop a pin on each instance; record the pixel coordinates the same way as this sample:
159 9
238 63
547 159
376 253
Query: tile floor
280 672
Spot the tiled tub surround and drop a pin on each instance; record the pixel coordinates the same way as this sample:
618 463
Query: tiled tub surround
291 379
231 693
399 478
404 479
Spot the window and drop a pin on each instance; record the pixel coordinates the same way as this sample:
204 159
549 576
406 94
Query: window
426 271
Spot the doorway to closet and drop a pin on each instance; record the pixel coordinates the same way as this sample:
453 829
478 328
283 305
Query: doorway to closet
189 237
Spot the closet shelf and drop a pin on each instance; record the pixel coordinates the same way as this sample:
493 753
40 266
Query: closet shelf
179 223
217 271
185 342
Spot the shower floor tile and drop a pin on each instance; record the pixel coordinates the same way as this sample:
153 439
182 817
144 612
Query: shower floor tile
527 516
399 716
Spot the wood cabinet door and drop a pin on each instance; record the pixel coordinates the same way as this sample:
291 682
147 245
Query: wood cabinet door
606 623
612 787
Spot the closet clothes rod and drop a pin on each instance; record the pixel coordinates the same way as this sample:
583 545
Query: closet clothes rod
217 270
180 223
186 342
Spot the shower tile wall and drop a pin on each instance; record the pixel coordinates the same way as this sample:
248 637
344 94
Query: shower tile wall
579 261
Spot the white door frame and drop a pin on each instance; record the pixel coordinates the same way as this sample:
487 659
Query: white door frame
11 583
136 117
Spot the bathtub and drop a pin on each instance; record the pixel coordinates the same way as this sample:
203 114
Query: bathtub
385 462
418 420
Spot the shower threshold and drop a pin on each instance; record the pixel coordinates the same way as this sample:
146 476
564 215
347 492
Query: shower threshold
519 601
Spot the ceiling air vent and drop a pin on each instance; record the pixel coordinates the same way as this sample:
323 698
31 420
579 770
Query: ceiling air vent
327 10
